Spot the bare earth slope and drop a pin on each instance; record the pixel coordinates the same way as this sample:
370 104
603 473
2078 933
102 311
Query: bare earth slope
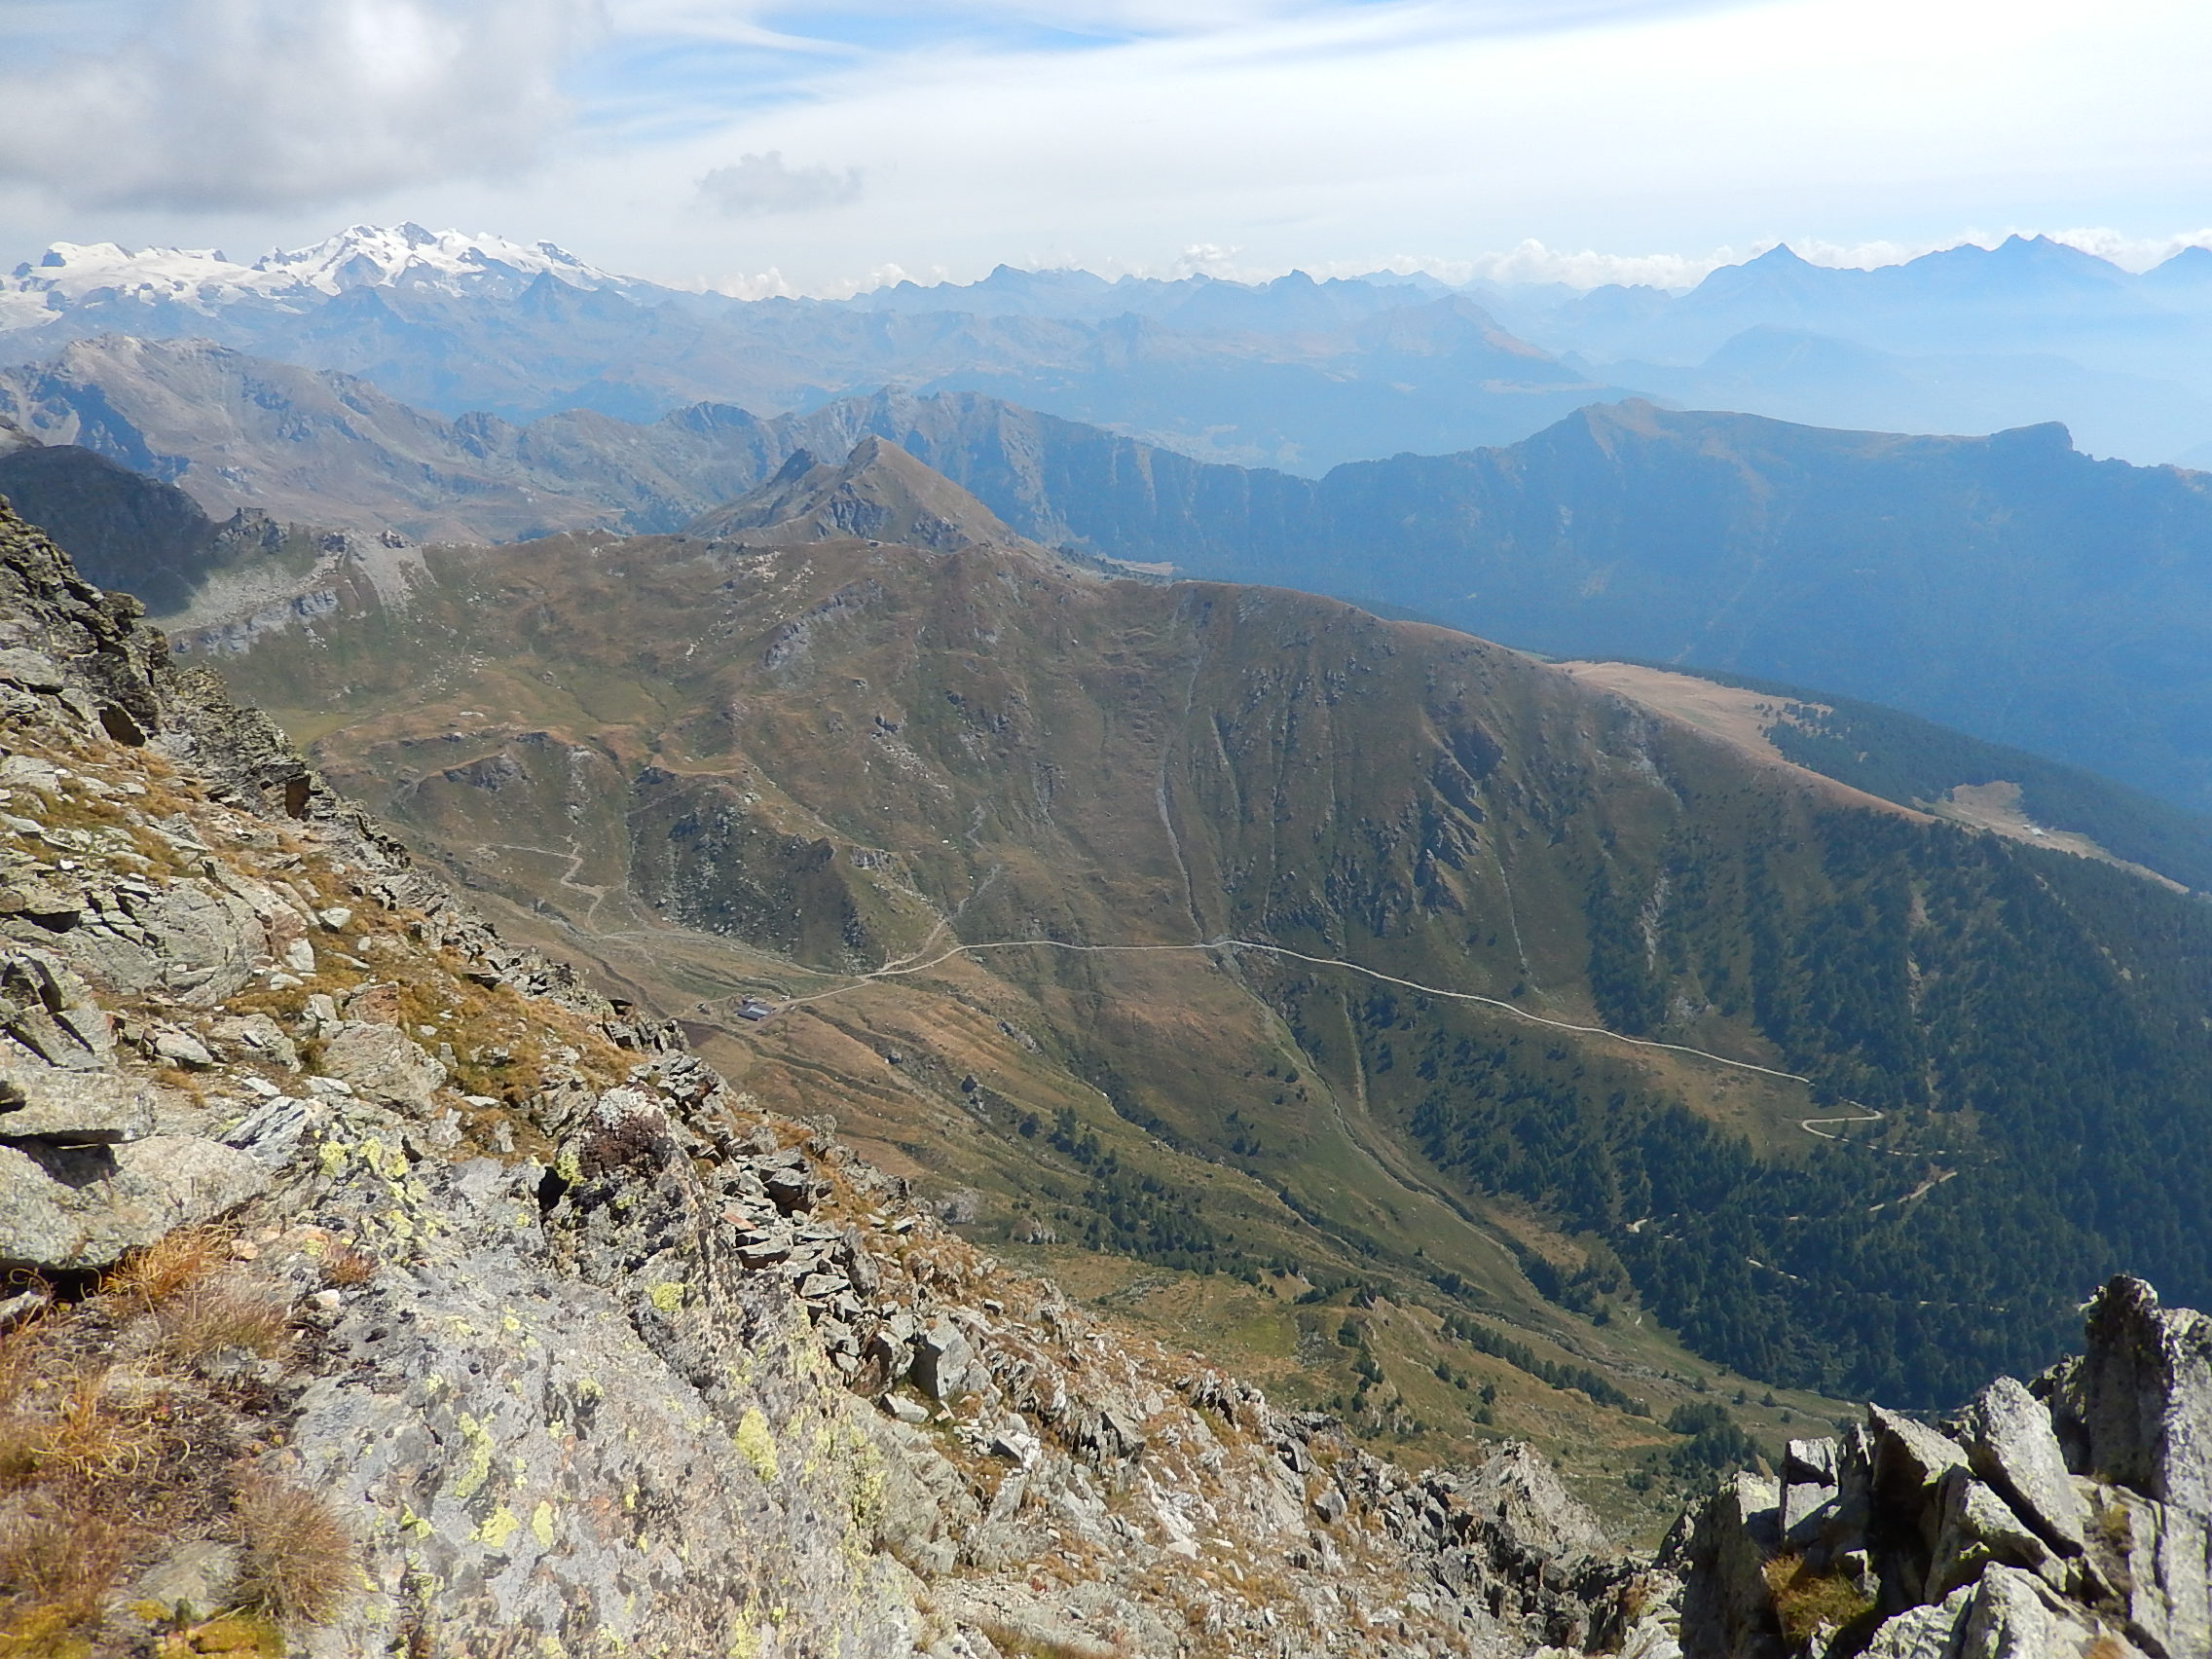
1749 719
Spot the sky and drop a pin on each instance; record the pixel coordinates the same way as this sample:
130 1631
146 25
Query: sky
759 147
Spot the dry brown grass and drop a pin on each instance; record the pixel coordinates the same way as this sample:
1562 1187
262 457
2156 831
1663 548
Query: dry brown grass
215 1316
1805 1600
57 1565
174 1262
1016 1644
107 1441
300 1561
344 1267
82 1436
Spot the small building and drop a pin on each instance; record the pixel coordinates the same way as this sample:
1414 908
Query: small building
753 1008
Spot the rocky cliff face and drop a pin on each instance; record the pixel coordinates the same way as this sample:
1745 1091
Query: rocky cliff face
2065 1516
380 1289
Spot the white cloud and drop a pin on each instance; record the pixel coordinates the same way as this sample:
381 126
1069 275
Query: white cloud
258 105
766 184
1583 141
1343 136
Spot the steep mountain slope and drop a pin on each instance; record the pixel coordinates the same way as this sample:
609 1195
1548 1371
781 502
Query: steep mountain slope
2007 586
329 1353
136 533
321 1343
995 823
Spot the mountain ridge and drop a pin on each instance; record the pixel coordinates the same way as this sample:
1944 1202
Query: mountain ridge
850 759
1973 339
878 492
1920 539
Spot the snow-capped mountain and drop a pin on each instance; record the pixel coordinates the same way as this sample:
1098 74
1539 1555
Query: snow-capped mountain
366 256
70 275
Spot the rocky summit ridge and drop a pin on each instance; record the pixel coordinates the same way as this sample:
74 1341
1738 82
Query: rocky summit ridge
379 1288
2069 1515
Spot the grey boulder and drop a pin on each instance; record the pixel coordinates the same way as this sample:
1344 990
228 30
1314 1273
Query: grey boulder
2011 1444
942 1360
381 1062
40 1102
64 1209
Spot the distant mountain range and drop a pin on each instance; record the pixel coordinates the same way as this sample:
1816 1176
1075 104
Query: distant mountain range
2009 586
1966 339
1294 373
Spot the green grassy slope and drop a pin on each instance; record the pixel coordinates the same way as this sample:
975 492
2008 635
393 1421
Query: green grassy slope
721 771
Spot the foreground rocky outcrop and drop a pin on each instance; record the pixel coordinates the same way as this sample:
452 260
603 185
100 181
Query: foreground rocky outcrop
2067 1516
331 1217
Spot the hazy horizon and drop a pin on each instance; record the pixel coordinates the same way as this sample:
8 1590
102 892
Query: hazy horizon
1530 263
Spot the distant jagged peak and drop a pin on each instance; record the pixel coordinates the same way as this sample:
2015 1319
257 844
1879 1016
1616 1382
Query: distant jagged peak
356 257
879 493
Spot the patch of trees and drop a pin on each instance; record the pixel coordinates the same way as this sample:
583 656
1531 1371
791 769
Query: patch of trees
2033 1027
1715 1441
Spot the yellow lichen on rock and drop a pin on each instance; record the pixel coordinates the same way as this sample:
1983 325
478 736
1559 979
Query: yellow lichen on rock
755 1445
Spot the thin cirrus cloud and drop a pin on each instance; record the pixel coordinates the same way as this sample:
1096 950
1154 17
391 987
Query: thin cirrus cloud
1319 134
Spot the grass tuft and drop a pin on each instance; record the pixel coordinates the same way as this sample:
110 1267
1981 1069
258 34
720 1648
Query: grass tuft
344 1267
300 1559
85 1437
215 1316
170 1265
56 1569
1805 1600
